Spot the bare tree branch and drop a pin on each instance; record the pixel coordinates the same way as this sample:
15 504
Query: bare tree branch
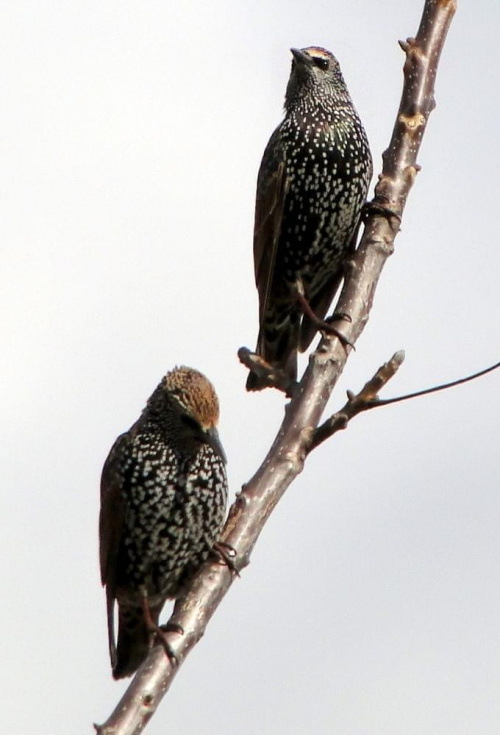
437 388
367 398
274 377
286 457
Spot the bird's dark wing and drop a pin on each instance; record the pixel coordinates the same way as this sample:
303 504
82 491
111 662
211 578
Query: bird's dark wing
320 303
111 519
272 187
112 511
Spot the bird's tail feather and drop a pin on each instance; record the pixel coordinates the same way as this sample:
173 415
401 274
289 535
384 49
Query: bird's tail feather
134 640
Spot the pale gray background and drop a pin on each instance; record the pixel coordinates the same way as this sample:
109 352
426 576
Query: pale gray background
130 139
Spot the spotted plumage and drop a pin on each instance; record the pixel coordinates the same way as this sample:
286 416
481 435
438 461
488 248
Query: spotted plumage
163 503
312 183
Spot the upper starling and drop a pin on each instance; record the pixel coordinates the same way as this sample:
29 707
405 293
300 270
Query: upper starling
163 503
312 183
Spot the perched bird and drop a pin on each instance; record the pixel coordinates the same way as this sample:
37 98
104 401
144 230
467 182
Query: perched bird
312 184
163 503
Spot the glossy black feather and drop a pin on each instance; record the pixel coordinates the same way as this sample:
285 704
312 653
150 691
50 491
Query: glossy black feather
163 502
312 183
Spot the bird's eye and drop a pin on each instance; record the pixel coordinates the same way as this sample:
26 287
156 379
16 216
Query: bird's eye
190 422
321 63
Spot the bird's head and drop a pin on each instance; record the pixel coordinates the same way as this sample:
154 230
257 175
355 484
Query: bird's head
194 398
315 76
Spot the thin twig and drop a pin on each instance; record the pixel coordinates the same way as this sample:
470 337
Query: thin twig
366 399
436 388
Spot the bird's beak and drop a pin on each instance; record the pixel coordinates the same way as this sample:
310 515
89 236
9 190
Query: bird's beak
300 57
213 439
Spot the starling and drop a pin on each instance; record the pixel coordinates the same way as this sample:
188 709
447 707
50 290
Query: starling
312 184
163 503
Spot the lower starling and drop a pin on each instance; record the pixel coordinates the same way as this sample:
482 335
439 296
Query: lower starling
163 503
312 184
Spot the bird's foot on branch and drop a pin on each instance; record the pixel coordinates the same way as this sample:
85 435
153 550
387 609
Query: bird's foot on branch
376 208
172 627
330 329
160 631
227 554
323 325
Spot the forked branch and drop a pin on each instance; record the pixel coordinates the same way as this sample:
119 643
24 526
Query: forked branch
368 398
364 400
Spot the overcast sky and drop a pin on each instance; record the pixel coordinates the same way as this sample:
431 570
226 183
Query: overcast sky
130 138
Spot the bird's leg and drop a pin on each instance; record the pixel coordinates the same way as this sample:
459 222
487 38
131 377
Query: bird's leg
171 627
377 209
323 325
337 316
227 554
158 631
